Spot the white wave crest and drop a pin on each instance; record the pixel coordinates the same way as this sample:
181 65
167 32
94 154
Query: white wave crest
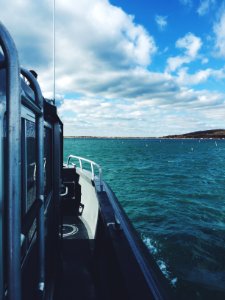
152 246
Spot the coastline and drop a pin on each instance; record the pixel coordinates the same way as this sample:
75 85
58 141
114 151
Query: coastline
111 137
206 134
143 138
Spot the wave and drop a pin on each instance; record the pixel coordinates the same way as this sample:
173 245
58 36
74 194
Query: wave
155 251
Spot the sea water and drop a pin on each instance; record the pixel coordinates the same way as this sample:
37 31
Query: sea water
173 191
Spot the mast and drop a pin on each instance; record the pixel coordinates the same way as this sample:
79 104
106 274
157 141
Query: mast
54 51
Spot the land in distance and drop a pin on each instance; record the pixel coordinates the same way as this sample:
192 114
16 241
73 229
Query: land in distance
109 137
205 134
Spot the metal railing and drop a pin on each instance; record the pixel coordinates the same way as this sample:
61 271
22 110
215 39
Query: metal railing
13 164
92 165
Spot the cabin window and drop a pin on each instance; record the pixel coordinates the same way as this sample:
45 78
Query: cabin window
31 163
28 159
48 161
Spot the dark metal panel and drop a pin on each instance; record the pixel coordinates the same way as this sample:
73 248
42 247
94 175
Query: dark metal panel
57 173
52 215
126 241
13 179
57 166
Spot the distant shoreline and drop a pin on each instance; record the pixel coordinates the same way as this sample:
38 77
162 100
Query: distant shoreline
206 134
110 137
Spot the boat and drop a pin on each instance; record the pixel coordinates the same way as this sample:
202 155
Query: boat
63 232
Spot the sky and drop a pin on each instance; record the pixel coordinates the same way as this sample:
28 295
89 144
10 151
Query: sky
126 67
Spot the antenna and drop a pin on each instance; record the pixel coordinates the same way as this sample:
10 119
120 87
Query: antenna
54 51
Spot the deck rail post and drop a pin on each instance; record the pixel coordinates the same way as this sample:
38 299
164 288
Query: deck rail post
13 164
92 164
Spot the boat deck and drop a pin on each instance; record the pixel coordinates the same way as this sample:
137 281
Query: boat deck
75 280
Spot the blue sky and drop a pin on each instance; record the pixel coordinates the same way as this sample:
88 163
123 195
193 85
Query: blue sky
127 68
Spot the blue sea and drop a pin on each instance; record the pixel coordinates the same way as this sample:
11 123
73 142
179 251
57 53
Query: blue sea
173 191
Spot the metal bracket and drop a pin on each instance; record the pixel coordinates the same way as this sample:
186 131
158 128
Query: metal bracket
65 193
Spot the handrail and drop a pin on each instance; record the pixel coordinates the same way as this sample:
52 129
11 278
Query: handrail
92 164
13 180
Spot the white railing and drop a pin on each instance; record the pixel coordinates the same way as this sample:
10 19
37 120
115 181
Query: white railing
92 165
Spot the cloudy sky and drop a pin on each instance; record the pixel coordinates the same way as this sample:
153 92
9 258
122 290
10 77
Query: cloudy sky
123 67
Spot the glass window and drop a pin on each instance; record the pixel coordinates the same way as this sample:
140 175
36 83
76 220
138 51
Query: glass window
31 163
48 161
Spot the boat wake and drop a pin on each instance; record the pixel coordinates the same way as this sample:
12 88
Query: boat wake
155 251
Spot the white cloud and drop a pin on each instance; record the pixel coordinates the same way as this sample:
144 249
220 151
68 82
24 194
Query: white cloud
104 35
161 21
205 6
173 63
219 30
91 38
191 45
155 115
103 58
183 78
30 24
